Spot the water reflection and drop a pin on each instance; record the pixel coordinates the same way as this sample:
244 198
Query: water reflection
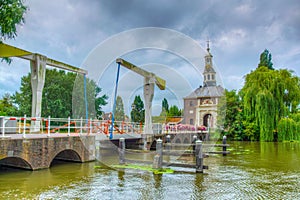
251 171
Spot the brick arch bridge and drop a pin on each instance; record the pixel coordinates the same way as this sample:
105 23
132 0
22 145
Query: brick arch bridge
38 153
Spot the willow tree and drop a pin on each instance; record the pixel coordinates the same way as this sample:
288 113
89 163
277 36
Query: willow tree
269 95
289 128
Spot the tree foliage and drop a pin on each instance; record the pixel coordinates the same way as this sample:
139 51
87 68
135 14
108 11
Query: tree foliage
266 60
57 95
138 112
119 112
174 111
267 95
229 115
265 108
7 107
11 14
165 105
94 99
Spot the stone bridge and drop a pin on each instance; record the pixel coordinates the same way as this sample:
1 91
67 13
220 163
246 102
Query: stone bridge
35 153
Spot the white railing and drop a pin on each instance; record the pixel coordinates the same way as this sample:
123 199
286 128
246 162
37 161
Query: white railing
25 125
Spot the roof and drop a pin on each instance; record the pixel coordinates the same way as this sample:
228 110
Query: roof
207 91
174 120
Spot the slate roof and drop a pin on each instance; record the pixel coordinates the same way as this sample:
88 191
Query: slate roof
207 91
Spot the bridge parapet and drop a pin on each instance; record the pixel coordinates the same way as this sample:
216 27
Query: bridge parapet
38 153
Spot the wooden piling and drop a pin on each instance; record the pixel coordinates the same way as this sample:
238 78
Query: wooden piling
168 142
122 151
224 145
199 157
157 162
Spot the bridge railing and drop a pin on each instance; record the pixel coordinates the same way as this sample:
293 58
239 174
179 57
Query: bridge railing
24 125
184 128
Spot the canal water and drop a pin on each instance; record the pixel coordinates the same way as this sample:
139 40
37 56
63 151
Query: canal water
252 171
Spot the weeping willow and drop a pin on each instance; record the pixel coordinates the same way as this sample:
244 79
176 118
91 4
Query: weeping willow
288 130
268 96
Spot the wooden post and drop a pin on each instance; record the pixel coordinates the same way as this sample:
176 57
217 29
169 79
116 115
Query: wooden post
224 145
194 143
157 162
122 151
168 141
199 157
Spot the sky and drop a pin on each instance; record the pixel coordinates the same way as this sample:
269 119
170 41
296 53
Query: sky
72 31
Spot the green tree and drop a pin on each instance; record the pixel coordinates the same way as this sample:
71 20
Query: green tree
119 112
57 95
165 105
174 111
229 115
138 112
11 14
266 60
267 96
7 107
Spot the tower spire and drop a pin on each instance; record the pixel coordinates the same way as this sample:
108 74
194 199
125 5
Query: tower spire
207 45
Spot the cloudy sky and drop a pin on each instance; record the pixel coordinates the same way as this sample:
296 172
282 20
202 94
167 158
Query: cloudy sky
69 30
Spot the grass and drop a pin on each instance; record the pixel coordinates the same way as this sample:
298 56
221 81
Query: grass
143 168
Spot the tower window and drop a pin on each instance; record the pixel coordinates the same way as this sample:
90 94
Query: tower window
208 77
213 77
191 103
191 121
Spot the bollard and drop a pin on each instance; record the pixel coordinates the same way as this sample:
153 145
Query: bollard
168 141
199 157
157 162
224 145
194 143
122 151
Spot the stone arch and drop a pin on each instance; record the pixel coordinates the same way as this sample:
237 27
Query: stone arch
69 155
206 119
178 141
186 140
16 162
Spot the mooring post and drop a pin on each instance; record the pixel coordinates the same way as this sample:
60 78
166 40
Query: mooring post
122 151
194 143
168 141
199 157
224 145
157 162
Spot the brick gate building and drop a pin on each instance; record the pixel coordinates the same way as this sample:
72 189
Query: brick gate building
200 107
